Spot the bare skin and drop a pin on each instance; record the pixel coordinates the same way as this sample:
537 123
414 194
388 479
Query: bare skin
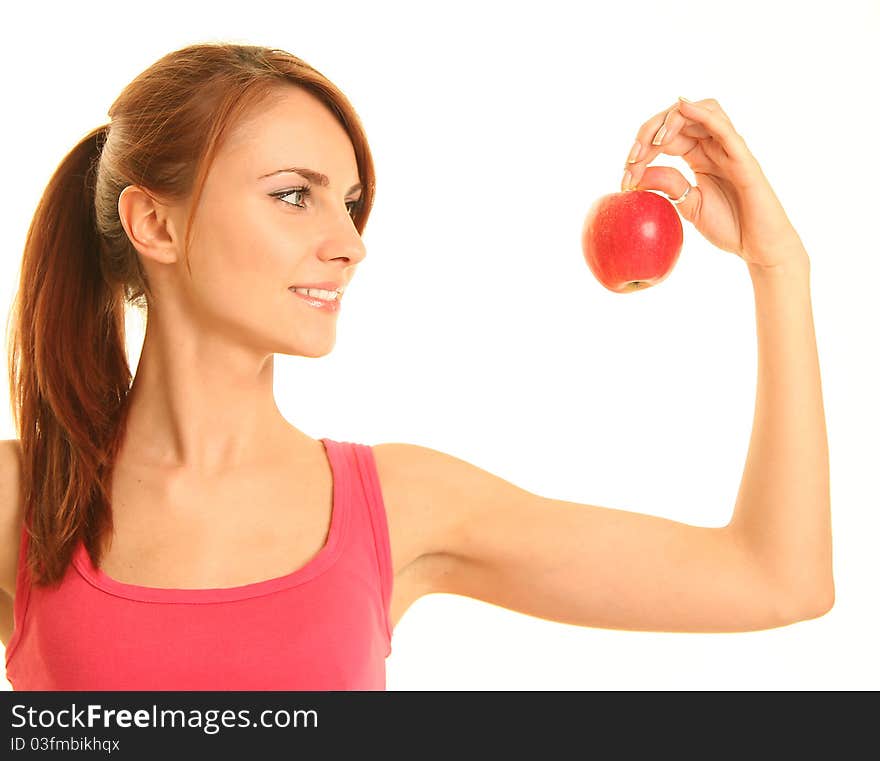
258 522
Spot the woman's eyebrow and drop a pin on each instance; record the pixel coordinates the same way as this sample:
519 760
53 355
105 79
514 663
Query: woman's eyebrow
310 174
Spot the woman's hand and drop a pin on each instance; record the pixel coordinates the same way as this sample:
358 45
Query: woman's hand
732 204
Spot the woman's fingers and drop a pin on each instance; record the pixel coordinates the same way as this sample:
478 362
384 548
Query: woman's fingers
668 125
676 124
708 133
663 129
709 114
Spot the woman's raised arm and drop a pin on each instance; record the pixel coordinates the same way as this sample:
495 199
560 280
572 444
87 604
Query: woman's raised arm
486 538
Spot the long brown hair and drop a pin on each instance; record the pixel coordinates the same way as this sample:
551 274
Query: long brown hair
68 368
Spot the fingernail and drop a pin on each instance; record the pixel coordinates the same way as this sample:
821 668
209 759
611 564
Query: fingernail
627 179
684 99
658 138
634 153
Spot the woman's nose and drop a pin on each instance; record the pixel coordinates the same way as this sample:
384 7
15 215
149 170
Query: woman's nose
345 240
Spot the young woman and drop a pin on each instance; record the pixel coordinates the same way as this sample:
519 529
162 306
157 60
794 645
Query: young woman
148 527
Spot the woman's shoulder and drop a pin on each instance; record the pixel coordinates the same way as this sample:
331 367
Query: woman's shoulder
11 512
413 481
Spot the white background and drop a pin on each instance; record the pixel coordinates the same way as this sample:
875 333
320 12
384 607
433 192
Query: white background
494 126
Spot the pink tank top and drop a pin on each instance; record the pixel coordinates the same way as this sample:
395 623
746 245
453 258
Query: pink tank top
325 626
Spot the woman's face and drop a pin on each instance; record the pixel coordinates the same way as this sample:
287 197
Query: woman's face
255 235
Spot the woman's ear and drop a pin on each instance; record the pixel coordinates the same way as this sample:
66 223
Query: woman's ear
149 224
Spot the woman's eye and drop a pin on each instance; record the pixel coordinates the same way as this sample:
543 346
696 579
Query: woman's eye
294 191
305 191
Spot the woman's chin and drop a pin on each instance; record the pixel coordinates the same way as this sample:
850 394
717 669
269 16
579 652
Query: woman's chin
313 351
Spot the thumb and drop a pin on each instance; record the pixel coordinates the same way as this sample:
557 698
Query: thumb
673 184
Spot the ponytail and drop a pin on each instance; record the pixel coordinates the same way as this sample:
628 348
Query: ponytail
68 368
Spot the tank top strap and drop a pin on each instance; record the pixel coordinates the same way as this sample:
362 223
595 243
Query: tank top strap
366 491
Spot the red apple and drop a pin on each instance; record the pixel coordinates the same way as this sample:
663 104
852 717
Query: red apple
631 240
